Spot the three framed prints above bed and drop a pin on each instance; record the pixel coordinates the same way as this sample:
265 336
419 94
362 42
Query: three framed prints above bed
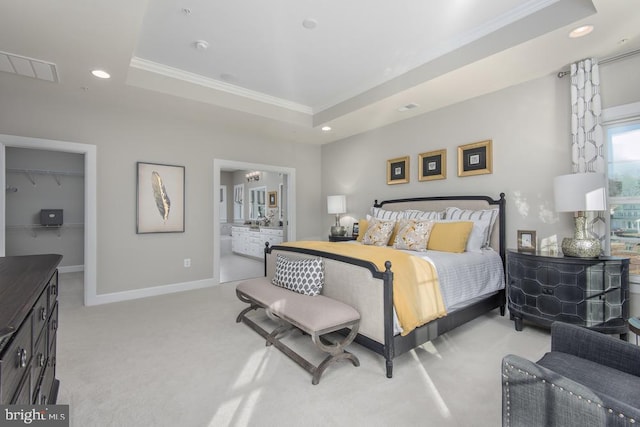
473 159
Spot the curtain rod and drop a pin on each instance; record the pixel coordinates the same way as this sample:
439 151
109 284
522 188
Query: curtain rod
614 58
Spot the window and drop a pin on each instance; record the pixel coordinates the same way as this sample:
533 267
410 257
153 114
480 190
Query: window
624 193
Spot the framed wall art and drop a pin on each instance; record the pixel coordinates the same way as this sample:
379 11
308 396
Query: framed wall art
398 170
432 165
475 159
273 199
526 241
160 198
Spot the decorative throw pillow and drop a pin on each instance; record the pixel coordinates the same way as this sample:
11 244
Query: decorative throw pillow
416 214
450 236
413 235
305 275
474 215
364 225
378 232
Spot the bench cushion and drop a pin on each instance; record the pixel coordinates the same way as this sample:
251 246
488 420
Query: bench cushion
312 314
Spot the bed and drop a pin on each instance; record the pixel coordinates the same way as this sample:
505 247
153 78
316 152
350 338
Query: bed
369 288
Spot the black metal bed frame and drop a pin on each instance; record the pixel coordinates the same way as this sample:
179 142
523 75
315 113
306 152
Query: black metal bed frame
396 345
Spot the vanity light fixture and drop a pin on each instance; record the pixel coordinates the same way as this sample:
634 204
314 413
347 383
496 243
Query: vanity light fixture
101 74
325 128
253 176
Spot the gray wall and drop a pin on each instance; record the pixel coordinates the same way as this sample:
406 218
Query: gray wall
528 123
529 126
163 132
23 236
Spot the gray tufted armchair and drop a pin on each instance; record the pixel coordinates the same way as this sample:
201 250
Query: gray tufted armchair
587 379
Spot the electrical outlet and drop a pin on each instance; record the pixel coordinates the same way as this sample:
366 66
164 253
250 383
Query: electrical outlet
187 262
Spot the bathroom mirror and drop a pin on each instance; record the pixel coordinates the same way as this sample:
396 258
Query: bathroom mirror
257 206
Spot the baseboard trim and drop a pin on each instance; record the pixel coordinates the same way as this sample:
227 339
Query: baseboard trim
70 268
150 292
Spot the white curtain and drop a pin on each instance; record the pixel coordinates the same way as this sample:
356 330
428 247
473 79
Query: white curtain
587 146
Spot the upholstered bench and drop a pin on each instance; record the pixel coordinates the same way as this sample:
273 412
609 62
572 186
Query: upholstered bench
315 315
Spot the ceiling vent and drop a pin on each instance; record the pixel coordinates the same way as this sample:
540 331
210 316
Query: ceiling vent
29 67
408 107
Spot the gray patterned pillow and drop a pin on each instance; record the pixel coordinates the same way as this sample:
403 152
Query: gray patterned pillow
305 276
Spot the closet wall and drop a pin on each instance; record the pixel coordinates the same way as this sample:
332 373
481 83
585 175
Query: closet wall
40 179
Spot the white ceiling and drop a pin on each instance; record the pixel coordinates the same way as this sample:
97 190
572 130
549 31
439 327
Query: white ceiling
363 60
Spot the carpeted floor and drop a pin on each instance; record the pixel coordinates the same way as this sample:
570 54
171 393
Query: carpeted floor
181 360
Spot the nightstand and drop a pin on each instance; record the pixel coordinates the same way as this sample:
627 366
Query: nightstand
341 238
591 292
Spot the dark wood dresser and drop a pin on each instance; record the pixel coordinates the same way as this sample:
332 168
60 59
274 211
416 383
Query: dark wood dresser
590 292
28 325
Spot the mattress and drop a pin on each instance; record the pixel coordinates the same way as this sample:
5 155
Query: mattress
464 277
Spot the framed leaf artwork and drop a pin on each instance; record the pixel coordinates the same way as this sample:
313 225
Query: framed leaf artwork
160 198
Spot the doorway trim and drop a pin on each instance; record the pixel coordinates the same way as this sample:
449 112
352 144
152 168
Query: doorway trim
90 200
218 166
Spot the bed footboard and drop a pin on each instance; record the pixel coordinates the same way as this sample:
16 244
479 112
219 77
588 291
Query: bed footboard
359 284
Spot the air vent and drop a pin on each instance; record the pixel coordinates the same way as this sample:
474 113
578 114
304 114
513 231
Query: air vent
29 67
408 107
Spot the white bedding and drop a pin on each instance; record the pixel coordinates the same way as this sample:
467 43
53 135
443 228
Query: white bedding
464 277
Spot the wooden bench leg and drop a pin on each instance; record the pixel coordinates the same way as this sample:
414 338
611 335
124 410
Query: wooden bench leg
279 332
336 351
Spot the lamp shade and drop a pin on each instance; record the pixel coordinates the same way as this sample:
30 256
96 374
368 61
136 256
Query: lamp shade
580 192
336 204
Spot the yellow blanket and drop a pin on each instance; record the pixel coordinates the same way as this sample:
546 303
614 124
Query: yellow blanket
416 290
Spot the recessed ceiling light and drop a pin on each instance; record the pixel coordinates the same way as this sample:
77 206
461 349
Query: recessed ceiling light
309 23
581 31
101 74
201 44
325 128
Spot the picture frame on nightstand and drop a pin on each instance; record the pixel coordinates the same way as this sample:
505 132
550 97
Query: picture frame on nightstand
526 241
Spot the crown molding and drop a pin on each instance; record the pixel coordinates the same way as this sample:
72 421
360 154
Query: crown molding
164 70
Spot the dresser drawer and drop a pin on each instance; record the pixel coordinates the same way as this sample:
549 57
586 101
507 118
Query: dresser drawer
23 395
43 394
53 326
40 316
53 290
15 361
40 355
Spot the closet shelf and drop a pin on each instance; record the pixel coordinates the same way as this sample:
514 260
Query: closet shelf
34 228
55 174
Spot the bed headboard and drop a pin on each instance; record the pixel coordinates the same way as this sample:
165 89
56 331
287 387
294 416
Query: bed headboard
440 203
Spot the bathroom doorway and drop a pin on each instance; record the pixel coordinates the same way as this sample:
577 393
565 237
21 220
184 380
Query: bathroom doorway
278 213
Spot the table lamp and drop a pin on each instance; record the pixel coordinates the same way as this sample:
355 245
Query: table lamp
337 205
580 192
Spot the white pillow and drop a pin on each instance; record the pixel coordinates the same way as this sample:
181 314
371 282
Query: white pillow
421 215
380 213
480 216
